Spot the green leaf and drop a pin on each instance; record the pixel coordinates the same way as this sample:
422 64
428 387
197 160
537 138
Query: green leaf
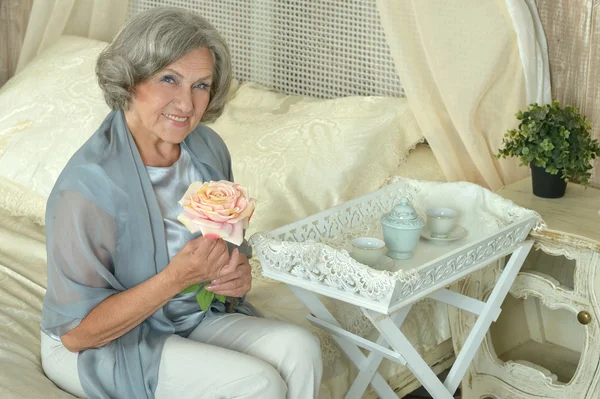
546 145
204 299
191 288
221 298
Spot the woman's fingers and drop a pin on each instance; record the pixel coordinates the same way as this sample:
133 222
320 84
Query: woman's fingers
235 288
232 285
233 294
243 268
203 245
217 248
231 265
237 283
236 274
218 261
215 257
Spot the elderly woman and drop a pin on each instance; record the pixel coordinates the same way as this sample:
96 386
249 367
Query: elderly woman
115 321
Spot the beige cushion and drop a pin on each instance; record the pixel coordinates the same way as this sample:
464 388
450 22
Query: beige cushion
299 155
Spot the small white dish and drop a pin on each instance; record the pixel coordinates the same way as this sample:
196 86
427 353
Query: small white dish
385 263
456 234
440 221
441 212
368 250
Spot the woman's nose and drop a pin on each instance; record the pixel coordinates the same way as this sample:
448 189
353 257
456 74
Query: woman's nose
184 101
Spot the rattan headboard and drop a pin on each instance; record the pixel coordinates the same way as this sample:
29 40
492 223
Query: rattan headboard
316 48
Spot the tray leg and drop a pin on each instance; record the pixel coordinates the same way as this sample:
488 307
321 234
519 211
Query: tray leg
369 367
489 314
414 361
317 309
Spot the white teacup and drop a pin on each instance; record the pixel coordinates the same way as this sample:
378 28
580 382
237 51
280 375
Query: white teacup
368 250
440 221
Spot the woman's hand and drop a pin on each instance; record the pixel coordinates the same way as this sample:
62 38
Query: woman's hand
202 259
235 284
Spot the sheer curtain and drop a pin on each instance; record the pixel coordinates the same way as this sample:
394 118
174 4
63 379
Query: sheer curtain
14 15
49 19
467 67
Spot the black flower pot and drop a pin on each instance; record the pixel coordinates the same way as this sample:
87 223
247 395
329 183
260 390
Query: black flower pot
546 185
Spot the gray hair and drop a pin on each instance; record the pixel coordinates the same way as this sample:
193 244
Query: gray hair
151 41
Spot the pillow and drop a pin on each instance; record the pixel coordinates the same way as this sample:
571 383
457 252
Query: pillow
299 155
49 110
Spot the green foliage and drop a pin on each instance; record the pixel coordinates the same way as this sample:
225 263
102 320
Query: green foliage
203 297
191 288
555 138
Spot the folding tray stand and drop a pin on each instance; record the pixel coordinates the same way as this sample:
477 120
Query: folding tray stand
311 256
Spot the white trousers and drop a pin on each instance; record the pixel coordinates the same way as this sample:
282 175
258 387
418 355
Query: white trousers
226 356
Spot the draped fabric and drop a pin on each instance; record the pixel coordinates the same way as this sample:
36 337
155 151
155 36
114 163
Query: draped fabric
49 19
467 66
105 234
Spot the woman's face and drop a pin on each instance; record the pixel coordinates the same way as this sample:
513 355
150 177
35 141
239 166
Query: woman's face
169 105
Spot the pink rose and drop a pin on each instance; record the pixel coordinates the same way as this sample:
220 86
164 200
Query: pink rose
219 209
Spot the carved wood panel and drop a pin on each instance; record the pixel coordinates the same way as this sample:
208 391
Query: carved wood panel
488 376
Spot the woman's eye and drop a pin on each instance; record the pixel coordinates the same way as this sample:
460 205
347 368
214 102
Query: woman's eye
168 79
202 86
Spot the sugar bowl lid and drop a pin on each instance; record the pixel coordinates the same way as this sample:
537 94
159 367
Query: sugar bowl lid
402 215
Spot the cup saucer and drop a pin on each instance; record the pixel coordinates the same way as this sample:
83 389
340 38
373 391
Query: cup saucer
456 234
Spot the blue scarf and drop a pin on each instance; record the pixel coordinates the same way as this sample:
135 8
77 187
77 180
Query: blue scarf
105 234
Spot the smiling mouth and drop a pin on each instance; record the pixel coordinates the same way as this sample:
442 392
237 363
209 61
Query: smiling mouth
176 118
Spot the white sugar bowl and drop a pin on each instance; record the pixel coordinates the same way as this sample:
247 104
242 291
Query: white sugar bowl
402 227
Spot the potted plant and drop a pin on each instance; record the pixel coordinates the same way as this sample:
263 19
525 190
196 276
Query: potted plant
556 143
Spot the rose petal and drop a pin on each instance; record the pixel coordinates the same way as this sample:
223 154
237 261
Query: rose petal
196 224
236 237
191 189
216 216
243 190
245 213
251 213
224 232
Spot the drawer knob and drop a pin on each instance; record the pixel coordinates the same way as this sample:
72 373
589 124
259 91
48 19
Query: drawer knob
584 317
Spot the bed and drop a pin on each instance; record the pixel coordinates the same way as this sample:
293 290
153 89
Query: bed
279 136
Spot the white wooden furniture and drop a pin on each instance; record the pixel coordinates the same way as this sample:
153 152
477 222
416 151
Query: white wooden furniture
546 342
310 256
